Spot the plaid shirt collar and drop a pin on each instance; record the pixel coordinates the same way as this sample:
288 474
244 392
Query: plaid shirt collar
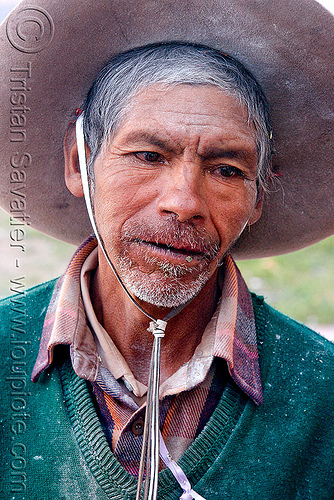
235 332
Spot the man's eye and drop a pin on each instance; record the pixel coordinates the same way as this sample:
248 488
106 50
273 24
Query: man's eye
148 156
228 171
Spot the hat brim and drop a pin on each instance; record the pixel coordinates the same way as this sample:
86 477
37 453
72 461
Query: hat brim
51 53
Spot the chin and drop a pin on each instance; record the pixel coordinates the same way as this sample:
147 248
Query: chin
161 283
163 292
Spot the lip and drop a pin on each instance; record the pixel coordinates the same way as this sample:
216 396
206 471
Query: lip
178 251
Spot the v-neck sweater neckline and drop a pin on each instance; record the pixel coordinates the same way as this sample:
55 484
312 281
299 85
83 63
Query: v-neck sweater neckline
110 474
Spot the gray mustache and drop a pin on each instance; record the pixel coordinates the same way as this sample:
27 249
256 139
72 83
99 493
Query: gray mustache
173 234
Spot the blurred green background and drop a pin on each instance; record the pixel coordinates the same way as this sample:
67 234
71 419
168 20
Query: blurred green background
299 284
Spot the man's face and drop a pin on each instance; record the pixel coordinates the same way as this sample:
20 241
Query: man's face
174 189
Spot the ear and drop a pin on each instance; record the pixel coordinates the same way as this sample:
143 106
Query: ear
257 209
72 168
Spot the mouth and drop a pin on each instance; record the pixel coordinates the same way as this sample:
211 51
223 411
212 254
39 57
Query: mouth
184 253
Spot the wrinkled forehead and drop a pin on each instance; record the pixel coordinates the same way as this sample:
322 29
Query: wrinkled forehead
208 108
205 109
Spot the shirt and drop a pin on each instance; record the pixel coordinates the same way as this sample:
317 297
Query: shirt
188 397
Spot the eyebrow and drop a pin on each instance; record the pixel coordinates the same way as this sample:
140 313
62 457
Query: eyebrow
145 137
210 153
242 154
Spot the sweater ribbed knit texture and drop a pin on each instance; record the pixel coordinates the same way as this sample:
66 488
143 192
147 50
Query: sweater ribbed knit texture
53 446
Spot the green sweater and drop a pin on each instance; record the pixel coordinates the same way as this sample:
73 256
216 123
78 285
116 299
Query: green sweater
53 446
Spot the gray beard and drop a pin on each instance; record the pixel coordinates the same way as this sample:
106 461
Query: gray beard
168 285
166 290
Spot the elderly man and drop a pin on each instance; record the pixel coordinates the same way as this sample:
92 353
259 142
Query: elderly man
151 343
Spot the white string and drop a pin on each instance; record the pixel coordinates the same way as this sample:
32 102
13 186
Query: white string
85 184
151 437
151 445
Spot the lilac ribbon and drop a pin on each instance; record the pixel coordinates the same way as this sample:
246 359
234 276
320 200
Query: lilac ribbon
181 478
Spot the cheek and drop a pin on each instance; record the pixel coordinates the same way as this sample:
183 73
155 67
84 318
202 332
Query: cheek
119 197
232 211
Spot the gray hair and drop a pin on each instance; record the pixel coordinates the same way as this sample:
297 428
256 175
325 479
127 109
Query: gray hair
169 64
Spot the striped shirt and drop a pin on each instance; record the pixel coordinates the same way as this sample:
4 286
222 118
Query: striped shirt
188 398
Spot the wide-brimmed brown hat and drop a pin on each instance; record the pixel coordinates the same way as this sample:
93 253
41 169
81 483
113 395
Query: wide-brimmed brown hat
51 51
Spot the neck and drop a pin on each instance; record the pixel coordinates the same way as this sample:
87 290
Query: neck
127 325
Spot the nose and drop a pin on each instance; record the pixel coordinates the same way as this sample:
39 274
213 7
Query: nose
181 193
